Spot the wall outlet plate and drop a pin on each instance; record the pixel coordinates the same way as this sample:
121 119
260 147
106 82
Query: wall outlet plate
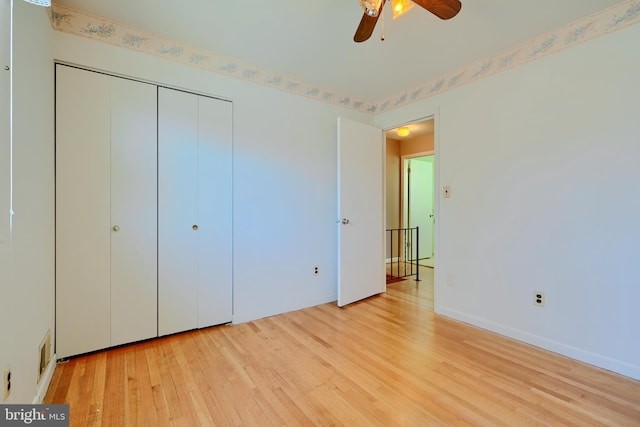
538 298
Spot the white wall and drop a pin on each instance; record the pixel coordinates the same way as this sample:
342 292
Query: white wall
284 178
28 279
543 166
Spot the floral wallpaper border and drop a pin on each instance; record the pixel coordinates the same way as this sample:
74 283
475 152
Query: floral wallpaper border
608 20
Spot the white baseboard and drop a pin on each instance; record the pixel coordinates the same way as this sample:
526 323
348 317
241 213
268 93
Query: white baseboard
248 317
591 358
45 381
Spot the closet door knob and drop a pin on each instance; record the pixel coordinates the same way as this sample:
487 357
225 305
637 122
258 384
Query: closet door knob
116 228
195 226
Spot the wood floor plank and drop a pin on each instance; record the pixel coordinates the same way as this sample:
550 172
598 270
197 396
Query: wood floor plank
388 360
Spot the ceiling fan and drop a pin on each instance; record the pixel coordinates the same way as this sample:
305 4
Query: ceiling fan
443 9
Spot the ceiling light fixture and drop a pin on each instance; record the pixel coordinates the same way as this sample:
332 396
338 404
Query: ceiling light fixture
45 3
400 7
403 131
371 7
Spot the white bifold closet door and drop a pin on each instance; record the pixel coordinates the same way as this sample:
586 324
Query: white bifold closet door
134 211
106 211
194 211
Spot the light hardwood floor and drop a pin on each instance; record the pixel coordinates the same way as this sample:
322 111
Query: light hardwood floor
386 361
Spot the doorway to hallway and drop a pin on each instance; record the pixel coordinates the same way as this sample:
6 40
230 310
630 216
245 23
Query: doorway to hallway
410 190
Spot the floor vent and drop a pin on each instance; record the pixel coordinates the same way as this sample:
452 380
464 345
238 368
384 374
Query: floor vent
45 354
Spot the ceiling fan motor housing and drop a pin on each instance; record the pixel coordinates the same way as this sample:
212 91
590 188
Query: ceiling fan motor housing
371 7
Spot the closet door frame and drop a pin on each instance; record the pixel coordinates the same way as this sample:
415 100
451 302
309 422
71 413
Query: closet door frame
205 298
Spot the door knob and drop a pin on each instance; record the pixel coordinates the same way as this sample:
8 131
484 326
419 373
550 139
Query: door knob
345 221
195 226
116 228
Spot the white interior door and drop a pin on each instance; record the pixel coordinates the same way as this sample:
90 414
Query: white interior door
361 267
421 203
134 286
177 211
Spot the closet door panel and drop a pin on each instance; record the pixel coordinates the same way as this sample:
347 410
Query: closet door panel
82 211
133 211
214 211
177 211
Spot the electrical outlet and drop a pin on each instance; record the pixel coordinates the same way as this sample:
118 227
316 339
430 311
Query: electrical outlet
316 270
7 383
446 191
538 298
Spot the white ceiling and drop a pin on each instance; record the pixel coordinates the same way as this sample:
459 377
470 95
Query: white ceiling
313 40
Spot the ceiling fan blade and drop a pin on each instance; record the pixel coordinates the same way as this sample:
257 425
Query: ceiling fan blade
367 24
443 9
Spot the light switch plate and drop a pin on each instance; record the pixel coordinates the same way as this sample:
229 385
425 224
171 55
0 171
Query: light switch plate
446 191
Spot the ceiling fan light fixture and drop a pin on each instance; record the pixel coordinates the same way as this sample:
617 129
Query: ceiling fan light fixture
371 7
403 131
400 7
